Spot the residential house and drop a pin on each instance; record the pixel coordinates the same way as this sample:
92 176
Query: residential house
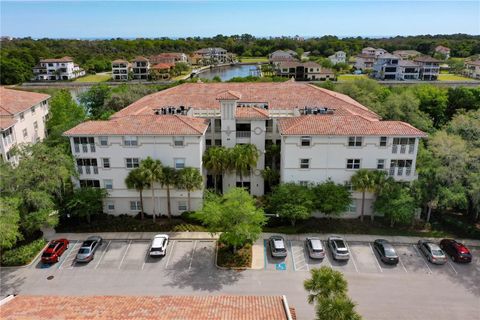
161 71
141 68
120 70
324 135
302 71
385 67
209 56
364 62
373 51
408 70
338 57
472 69
23 118
169 57
57 69
407 54
429 67
445 51
282 56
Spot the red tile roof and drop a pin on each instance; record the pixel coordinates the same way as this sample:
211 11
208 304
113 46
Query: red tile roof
426 59
64 59
326 124
119 61
251 113
161 66
140 58
6 122
16 101
159 308
229 95
143 125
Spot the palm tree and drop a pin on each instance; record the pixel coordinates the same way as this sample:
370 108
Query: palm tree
216 162
336 308
325 283
381 182
168 179
363 180
136 180
152 172
244 157
189 179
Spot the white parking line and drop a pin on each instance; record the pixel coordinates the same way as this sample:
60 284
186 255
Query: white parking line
124 254
422 257
400 260
70 250
171 250
375 257
147 254
450 264
193 253
103 254
293 258
351 256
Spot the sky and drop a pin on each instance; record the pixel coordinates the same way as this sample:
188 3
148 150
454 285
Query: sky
132 19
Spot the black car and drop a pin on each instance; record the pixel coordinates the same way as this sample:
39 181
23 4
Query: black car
456 250
386 251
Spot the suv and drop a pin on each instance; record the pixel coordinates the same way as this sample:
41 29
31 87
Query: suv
159 245
277 247
432 251
315 248
456 250
339 248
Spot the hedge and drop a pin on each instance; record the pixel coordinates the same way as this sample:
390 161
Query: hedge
23 255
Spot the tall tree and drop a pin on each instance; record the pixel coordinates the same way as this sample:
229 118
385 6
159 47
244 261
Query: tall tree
152 172
363 181
244 157
291 201
396 203
169 179
136 180
94 100
190 179
9 222
324 282
86 202
331 198
215 160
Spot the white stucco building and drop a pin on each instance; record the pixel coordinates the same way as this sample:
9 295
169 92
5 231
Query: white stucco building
57 69
120 69
323 135
22 120
338 57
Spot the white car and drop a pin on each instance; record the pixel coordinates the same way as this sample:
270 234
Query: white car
339 248
159 244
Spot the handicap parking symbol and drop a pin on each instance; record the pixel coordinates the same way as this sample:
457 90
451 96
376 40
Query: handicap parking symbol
281 266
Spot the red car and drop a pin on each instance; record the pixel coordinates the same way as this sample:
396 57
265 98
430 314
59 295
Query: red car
54 250
457 251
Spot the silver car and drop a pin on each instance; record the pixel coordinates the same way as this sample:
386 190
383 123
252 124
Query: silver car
315 248
432 252
339 248
88 248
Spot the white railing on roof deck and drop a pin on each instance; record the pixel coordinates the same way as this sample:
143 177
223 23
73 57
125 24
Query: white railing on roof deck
281 113
211 113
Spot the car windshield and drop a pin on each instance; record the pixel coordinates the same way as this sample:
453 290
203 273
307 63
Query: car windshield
340 244
87 243
156 249
437 252
46 255
84 250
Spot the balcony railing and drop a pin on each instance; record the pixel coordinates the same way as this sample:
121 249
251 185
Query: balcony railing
399 171
243 134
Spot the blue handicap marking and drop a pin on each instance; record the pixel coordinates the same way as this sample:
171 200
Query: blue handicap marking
281 266
45 266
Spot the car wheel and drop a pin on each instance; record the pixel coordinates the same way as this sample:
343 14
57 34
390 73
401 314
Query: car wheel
453 258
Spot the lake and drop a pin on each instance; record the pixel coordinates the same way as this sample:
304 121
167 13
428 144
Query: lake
228 72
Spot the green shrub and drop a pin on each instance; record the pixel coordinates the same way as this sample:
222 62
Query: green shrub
189 217
24 254
459 226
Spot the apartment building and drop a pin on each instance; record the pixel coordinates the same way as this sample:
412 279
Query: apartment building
391 67
209 56
168 57
22 120
408 70
57 69
303 71
323 135
338 57
120 70
472 69
140 68
429 67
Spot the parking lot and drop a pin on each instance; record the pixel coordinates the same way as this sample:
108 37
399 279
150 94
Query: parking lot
133 255
364 259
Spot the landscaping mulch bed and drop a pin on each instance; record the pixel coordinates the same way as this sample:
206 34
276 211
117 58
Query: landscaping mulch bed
227 259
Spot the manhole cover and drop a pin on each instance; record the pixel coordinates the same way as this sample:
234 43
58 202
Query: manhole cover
50 277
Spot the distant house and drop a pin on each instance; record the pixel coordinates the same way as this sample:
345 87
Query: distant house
472 69
282 55
385 67
169 57
364 62
443 50
209 56
408 70
303 71
338 57
141 68
373 51
407 54
120 69
57 69
161 71
429 67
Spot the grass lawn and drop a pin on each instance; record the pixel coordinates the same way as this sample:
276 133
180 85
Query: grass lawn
241 259
253 59
182 75
452 77
94 78
351 77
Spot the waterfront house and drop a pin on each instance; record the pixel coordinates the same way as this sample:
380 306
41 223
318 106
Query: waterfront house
212 56
120 70
57 69
169 57
429 67
161 71
472 69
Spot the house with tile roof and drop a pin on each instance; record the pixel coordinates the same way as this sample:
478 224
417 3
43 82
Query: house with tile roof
303 71
322 134
140 68
429 67
57 69
445 51
23 117
212 56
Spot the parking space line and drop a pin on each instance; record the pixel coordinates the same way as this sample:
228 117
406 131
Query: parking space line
375 257
450 264
193 253
70 249
422 257
351 254
103 254
400 260
125 254
265 254
293 259
168 260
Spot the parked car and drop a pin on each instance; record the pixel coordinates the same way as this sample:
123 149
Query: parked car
386 251
432 251
315 248
54 250
158 248
277 247
86 252
339 248
456 250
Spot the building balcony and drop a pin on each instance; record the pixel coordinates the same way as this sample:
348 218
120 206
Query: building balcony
244 134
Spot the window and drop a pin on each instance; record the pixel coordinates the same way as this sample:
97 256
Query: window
35 125
130 141
355 141
383 141
303 183
22 116
182 206
132 163
90 183
178 141
33 110
353 163
381 164
218 142
103 141
306 141
304 163
179 163
106 162
135 205
108 184
352 207
110 205
25 133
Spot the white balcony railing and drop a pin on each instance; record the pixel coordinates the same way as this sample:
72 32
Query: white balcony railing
243 134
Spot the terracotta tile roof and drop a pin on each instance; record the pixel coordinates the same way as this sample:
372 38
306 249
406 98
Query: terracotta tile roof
229 95
119 61
161 66
473 63
140 58
132 307
6 122
251 113
442 48
142 125
64 59
426 59
15 101
345 125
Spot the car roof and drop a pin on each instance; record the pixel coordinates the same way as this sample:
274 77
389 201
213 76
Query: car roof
316 243
433 245
158 241
87 243
279 243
